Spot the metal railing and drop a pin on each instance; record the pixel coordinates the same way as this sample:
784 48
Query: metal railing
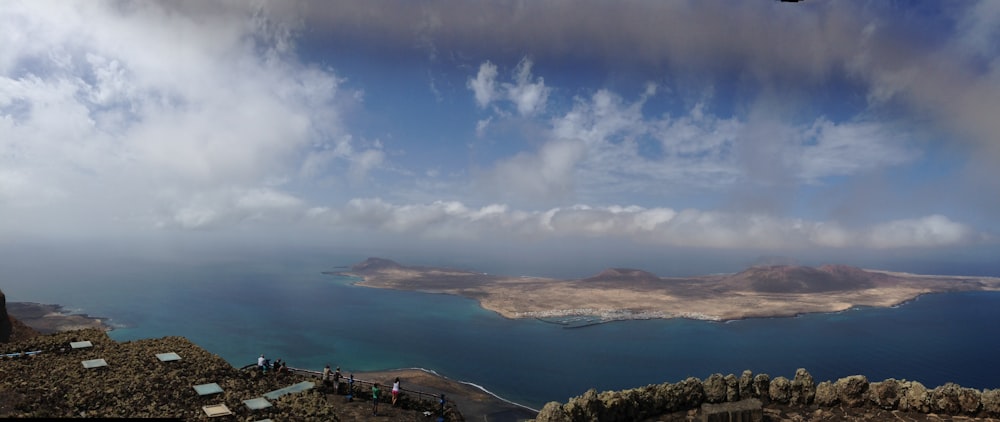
366 386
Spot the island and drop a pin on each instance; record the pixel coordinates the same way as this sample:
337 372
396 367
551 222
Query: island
624 293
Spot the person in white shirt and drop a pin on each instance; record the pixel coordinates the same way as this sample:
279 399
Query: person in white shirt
395 391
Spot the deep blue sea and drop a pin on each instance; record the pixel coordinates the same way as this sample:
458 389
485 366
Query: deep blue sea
294 312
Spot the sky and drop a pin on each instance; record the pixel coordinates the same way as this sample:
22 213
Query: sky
679 137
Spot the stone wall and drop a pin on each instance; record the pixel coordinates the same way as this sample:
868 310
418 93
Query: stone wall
852 392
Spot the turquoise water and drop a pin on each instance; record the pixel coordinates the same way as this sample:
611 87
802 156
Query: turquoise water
293 312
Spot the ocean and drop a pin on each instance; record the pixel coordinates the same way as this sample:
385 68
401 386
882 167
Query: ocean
292 311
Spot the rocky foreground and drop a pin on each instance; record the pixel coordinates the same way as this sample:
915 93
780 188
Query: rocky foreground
136 384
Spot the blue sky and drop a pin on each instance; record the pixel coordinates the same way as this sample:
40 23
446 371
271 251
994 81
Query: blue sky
586 133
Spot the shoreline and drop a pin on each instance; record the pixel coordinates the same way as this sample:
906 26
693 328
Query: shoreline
52 318
473 401
468 383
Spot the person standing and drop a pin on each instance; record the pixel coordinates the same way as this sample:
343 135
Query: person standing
350 388
395 392
336 380
260 363
441 402
375 392
326 376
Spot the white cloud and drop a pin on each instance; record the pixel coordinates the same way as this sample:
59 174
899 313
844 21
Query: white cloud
946 72
528 96
162 106
366 161
484 85
227 208
650 226
620 150
830 149
933 230
978 32
546 176
697 135
770 151
482 125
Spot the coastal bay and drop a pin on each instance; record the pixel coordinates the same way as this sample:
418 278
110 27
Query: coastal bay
289 309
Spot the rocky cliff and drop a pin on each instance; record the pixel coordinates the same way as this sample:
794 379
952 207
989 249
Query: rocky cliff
11 328
14 329
5 322
780 398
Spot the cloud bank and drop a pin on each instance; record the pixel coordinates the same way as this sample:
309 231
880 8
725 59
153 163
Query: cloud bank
657 226
738 125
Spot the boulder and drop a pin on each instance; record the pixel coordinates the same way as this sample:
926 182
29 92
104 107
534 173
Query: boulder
617 405
666 398
944 399
852 391
970 400
826 394
687 394
914 397
780 390
885 394
953 399
732 388
691 393
803 388
761 387
582 407
990 400
746 385
715 388
552 412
